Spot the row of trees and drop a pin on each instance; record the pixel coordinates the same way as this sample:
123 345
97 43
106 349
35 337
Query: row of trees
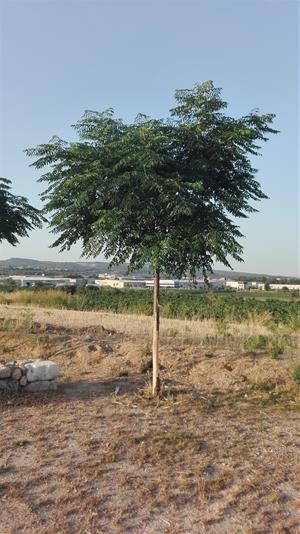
165 192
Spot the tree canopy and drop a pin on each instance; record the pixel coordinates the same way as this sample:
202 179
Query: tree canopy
17 216
161 191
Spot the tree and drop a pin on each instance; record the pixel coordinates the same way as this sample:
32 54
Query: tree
17 216
163 192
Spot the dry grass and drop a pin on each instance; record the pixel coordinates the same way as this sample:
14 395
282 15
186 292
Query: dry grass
185 330
218 453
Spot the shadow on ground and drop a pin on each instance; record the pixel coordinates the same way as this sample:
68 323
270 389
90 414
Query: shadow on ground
83 389
75 390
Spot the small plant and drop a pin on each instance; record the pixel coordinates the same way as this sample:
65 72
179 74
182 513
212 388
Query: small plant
263 386
296 374
123 373
146 367
24 321
275 350
256 343
38 340
172 332
222 327
3 349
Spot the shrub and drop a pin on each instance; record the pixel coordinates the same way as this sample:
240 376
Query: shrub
256 343
275 350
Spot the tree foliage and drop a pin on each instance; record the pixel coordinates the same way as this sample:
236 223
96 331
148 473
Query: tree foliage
163 192
17 216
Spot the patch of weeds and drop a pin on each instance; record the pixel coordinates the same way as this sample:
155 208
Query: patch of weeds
272 326
3 349
123 373
222 327
296 374
166 445
263 386
38 340
210 340
146 367
217 484
285 399
256 343
207 404
25 321
275 351
172 332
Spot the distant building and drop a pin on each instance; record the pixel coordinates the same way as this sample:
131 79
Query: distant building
238 284
119 283
280 287
216 282
50 281
258 285
165 284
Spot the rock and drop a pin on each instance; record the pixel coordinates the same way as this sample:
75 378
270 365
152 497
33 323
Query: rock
13 385
23 381
105 347
9 385
16 374
40 370
5 371
3 384
41 385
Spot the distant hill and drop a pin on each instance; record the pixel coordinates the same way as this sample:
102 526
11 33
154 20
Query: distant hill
29 265
92 268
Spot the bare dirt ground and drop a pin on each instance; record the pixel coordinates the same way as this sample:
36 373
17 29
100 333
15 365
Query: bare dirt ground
219 453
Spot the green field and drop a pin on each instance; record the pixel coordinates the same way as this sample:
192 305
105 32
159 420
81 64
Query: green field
240 306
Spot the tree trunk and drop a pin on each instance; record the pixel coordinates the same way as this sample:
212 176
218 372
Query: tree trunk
156 380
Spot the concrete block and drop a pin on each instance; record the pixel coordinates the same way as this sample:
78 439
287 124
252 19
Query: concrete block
39 370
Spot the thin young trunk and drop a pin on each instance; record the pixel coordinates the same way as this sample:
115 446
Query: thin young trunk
156 379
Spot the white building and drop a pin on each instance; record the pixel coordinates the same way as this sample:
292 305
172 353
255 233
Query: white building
165 284
290 287
119 283
238 284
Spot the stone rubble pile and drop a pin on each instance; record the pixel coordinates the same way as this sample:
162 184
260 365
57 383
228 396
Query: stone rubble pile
28 375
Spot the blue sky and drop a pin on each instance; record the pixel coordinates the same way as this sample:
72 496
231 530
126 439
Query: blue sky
59 58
